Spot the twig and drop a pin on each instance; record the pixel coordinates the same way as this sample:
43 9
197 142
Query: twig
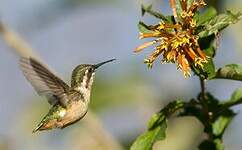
15 42
92 122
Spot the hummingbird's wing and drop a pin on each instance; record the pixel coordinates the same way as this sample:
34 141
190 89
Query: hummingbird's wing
44 81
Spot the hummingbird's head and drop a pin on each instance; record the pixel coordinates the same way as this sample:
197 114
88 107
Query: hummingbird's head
82 75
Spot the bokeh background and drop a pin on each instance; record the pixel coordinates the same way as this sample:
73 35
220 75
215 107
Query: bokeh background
65 33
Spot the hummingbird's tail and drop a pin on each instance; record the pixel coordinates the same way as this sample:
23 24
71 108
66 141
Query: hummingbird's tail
35 130
46 124
38 128
41 125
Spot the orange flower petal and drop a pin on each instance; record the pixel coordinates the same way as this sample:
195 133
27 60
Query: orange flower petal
148 35
143 46
173 6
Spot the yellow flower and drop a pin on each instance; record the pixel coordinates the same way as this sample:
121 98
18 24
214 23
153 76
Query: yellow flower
177 42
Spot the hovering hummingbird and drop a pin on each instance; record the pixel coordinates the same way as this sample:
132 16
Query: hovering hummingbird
69 103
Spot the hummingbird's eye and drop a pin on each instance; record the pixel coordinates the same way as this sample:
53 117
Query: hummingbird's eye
90 70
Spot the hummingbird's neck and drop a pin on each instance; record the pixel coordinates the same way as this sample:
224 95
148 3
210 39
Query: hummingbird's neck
85 86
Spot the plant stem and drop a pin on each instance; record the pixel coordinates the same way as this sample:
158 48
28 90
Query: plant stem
202 97
203 101
202 84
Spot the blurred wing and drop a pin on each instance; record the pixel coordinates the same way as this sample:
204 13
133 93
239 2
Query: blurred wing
44 81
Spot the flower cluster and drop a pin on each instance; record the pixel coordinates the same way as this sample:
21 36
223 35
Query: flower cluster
176 41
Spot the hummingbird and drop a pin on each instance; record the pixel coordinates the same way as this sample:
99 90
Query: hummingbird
69 103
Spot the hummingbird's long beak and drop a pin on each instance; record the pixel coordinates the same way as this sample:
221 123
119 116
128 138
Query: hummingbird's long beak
102 63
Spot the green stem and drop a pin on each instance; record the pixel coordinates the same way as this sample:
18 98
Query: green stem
154 13
203 95
203 101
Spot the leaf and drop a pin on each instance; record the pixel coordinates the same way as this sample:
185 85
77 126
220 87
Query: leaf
209 13
219 144
207 72
231 71
235 99
189 3
159 117
143 28
148 9
154 119
156 127
191 109
207 145
209 67
178 7
216 144
207 44
144 9
212 102
218 23
237 96
146 140
222 122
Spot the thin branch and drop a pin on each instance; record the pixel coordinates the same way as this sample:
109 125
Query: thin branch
106 140
16 43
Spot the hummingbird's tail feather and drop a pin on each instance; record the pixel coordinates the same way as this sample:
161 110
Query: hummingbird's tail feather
38 128
46 125
35 130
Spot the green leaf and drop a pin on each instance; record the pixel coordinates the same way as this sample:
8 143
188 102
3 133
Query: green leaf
208 45
154 119
144 9
146 140
222 122
159 117
212 102
210 52
231 71
208 70
207 145
169 19
156 127
218 23
148 9
191 109
209 67
209 13
143 28
237 96
189 3
219 144
178 7
235 99
212 145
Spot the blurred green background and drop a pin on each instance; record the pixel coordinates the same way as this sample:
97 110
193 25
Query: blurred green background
125 94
